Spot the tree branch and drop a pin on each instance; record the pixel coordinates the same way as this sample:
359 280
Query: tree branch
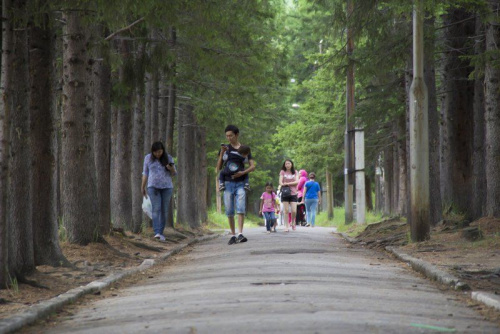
124 29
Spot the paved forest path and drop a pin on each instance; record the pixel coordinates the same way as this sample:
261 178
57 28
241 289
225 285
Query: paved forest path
307 281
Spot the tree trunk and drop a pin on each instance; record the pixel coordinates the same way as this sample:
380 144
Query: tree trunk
492 99
379 186
121 183
185 153
478 156
368 194
162 109
388 178
457 106
56 121
5 103
147 113
401 144
102 142
201 175
395 174
170 141
155 128
45 223
21 255
77 159
408 81
171 117
137 160
171 122
430 81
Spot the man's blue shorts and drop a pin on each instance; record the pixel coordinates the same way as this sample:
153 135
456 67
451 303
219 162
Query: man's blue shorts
235 192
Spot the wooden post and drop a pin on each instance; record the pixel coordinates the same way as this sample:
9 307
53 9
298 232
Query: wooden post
360 175
419 134
329 195
349 139
218 198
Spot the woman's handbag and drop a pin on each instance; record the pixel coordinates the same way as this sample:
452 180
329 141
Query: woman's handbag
286 191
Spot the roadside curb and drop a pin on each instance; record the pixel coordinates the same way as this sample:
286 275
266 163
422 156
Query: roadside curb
432 272
429 270
487 298
47 307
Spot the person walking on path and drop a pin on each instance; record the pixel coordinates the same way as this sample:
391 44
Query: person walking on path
312 197
301 209
289 178
157 175
267 207
234 193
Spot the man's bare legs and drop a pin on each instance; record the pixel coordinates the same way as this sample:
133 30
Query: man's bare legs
241 221
231 224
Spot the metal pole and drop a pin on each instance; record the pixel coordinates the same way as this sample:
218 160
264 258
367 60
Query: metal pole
419 134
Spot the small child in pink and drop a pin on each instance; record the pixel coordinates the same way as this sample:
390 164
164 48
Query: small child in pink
267 207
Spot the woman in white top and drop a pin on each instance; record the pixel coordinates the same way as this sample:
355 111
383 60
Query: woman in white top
289 177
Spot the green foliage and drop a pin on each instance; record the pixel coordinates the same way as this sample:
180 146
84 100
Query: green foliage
234 61
144 229
13 285
219 220
338 221
62 232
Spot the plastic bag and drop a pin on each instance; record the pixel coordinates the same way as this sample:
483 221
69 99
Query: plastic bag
147 207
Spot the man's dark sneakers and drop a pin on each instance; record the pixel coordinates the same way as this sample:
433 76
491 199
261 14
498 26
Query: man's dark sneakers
233 240
241 238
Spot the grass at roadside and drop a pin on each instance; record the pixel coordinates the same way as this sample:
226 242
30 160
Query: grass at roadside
219 220
338 221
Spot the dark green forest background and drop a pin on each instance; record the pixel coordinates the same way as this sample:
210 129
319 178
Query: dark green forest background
87 86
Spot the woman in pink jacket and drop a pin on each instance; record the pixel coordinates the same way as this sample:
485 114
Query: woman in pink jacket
301 208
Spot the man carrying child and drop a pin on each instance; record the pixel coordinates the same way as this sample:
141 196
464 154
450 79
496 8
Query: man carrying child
235 179
234 163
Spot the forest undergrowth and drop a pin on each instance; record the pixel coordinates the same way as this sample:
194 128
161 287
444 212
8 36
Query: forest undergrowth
121 251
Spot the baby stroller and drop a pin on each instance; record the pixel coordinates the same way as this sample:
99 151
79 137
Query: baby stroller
301 214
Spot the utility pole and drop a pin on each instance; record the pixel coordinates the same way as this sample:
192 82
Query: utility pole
419 134
359 165
349 138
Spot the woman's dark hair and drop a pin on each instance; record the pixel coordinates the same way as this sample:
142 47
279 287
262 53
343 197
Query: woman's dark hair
156 147
284 168
233 128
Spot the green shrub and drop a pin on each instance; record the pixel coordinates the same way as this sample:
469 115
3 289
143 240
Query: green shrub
219 220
